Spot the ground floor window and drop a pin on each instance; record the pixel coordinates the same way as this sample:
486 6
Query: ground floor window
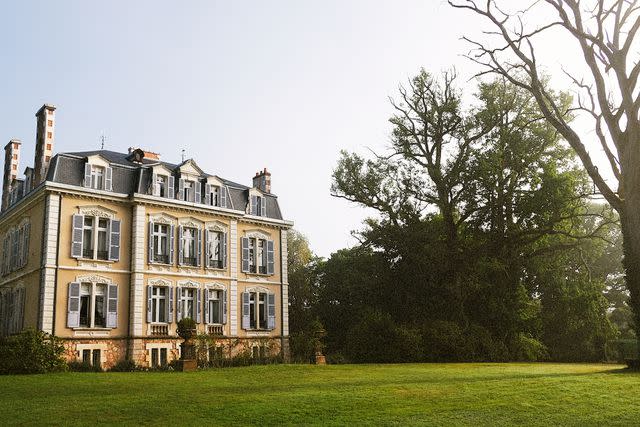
159 357
91 357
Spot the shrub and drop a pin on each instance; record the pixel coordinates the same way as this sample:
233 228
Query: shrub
376 338
77 366
444 341
31 352
125 365
529 349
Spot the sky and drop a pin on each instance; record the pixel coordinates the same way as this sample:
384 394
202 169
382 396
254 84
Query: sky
239 85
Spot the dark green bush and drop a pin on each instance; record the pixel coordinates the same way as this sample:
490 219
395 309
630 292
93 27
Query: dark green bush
444 341
31 352
77 366
125 365
377 339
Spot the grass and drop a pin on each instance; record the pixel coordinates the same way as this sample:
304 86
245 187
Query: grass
431 394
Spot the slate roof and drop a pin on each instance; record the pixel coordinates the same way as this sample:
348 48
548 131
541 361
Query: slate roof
130 177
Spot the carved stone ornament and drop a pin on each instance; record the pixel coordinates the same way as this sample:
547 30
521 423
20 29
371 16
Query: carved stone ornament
160 282
257 289
93 278
162 218
257 234
189 283
216 226
215 285
190 222
97 211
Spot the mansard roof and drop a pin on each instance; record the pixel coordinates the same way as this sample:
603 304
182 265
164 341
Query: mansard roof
130 177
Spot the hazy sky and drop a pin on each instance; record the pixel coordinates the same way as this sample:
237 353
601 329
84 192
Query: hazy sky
240 85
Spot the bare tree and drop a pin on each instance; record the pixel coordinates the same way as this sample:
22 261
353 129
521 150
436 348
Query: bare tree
605 31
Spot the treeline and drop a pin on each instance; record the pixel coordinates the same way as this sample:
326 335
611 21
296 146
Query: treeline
485 245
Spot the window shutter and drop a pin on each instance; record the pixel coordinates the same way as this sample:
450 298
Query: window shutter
108 181
198 318
149 304
263 206
207 247
171 184
114 240
264 253
224 250
207 193
270 257
73 305
76 237
170 307
246 321
199 248
197 191
206 306
245 254
181 189
87 175
271 311
222 195
180 246
172 233
254 205
224 307
178 304
155 188
25 246
112 307
150 243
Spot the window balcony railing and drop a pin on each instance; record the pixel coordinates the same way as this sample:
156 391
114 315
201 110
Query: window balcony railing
162 259
87 253
215 263
159 330
190 261
215 329
104 255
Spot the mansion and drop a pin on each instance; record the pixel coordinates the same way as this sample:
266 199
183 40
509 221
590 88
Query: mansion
108 251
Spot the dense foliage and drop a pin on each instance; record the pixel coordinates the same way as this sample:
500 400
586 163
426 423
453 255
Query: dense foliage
485 246
31 352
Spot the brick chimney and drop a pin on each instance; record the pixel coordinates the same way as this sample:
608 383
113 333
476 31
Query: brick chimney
11 161
262 180
150 155
45 136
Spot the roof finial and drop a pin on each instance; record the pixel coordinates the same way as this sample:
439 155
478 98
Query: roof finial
183 151
103 138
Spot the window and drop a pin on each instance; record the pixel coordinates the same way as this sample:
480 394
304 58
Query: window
95 238
187 303
49 147
189 246
187 195
216 249
86 357
11 310
49 123
214 311
215 195
91 357
159 304
97 177
92 305
161 243
49 135
159 357
258 206
95 359
161 185
257 256
258 310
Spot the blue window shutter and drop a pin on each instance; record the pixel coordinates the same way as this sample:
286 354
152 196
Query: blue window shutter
222 195
170 305
171 188
108 181
155 188
224 307
254 205
246 321
73 305
197 191
271 311
114 240
172 232
112 307
150 243
198 295
198 237
87 175
181 189
224 250
178 304
270 257
77 236
245 254
149 304
180 246
207 193
263 206
206 306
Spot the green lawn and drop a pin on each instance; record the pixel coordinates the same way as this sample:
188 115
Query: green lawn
432 394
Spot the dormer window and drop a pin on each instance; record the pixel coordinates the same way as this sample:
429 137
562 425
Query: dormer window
258 206
162 185
216 195
189 190
97 177
187 194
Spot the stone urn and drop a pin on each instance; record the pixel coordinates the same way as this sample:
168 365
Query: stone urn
187 331
319 333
